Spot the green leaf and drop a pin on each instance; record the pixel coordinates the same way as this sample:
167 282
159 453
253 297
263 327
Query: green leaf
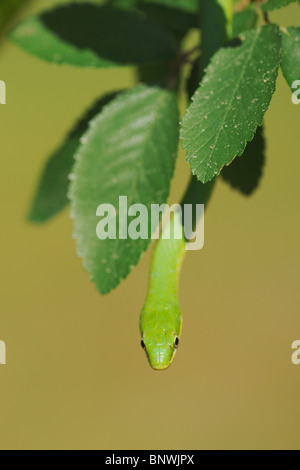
87 35
231 102
174 19
129 150
51 193
127 4
176 16
245 172
191 6
244 20
290 62
215 29
275 4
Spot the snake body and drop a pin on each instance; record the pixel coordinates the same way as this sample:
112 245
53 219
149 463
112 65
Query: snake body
161 320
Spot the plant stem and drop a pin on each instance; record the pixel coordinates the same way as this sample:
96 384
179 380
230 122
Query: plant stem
265 13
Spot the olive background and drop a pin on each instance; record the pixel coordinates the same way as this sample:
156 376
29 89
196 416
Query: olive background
76 377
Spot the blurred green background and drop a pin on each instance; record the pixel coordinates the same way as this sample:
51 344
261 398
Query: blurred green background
76 376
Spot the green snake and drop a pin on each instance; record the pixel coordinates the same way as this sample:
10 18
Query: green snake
161 319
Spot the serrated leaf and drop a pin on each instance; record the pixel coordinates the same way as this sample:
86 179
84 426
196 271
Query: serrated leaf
276 4
231 102
51 194
87 35
245 172
130 150
290 62
244 20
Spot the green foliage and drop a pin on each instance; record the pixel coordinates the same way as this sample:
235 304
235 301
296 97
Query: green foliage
245 172
191 6
275 4
51 193
126 145
176 16
214 33
81 35
129 150
244 20
170 17
290 62
127 4
231 102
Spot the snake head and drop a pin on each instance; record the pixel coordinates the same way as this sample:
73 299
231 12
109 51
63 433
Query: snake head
160 347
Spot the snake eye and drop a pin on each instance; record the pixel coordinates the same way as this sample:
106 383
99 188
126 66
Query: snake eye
143 344
176 342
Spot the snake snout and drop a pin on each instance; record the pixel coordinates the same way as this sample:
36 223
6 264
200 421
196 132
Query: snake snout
161 358
160 345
